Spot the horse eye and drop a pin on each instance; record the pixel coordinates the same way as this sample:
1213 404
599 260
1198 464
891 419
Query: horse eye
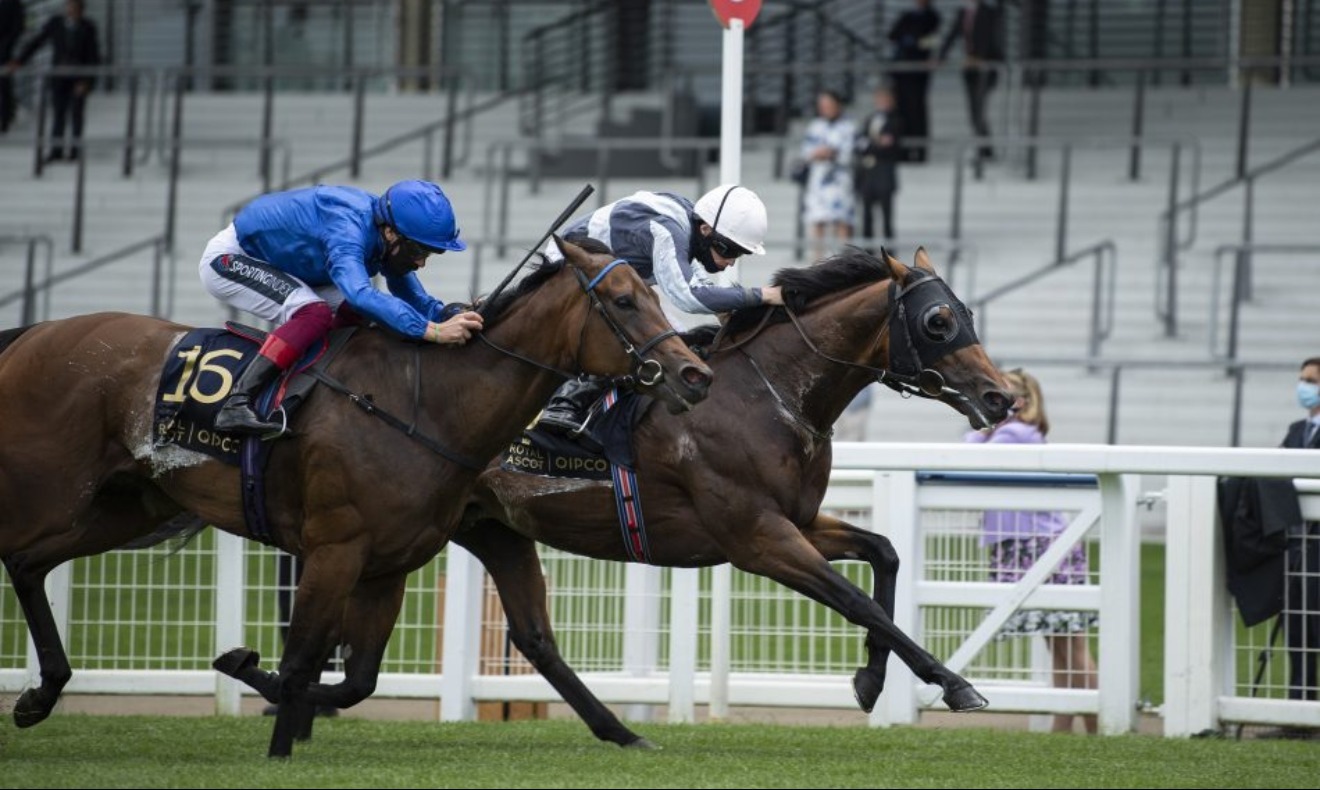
625 302
937 325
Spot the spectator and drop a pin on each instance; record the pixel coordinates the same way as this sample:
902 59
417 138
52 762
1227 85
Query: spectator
73 43
1016 539
914 37
827 148
1301 598
13 19
978 24
877 158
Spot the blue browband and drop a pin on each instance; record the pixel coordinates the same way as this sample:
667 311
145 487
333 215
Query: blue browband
591 286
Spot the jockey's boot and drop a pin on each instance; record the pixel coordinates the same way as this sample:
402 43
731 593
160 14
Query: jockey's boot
239 412
572 406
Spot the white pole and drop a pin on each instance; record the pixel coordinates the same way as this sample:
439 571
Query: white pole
731 109
230 615
731 105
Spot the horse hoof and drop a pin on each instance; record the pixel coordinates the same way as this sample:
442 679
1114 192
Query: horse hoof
867 686
964 698
236 660
30 710
642 744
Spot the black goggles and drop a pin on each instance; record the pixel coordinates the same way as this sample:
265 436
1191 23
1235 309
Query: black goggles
413 250
726 248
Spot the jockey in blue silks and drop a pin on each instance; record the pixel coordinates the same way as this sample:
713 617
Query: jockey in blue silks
294 257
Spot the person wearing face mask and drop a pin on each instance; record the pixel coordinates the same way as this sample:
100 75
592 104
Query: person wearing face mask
675 245
294 257
1301 600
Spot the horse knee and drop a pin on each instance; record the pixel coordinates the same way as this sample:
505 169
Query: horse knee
537 646
886 557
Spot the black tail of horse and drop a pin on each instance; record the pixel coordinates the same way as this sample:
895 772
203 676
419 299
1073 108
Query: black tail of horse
8 336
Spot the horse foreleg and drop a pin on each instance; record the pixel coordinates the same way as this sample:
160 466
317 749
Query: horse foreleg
373 607
780 552
34 705
512 562
839 540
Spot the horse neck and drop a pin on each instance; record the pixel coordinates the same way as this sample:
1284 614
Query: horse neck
490 396
816 388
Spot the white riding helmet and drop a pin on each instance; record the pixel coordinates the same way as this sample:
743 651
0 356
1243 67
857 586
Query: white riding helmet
736 213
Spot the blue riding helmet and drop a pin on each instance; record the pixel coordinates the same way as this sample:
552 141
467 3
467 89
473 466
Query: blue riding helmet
420 212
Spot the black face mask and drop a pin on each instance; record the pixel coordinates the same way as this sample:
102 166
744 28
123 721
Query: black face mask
920 332
402 256
701 249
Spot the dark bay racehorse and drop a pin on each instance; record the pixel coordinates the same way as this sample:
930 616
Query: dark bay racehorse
359 501
741 478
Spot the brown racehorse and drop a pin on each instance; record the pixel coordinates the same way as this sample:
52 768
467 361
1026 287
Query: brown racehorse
362 503
741 478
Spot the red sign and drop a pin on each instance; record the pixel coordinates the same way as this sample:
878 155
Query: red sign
729 10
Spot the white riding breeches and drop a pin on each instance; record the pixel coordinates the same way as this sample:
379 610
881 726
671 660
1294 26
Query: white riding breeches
238 279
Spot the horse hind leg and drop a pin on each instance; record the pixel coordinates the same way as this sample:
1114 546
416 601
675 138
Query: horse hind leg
512 562
838 540
29 583
114 516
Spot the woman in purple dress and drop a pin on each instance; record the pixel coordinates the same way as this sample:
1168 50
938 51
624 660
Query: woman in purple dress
1016 538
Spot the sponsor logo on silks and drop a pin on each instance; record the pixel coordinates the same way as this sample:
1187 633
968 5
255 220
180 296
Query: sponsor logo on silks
258 275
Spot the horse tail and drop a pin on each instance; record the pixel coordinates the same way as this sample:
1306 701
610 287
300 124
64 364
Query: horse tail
8 336
180 530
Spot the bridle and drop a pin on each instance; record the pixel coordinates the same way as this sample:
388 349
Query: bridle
646 372
909 371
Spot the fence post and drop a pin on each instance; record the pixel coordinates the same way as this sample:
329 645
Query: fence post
894 514
1197 624
130 127
29 314
79 197
38 161
1138 126
685 602
1171 248
1065 186
359 106
721 620
230 615
462 638
641 628
1120 604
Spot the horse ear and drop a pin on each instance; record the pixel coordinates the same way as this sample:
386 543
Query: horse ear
923 260
571 252
896 268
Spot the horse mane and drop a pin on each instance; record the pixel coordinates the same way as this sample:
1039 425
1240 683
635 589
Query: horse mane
540 274
803 285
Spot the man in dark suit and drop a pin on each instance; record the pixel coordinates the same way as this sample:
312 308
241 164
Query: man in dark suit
1301 603
13 19
73 43
876 161
980 27
913 35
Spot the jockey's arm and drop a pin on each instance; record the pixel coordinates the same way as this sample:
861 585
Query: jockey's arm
409 289
687 285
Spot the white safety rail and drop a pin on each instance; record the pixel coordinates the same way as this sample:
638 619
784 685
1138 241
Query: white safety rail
145 622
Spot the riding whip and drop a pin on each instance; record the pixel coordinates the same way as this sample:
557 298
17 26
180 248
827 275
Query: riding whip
563 217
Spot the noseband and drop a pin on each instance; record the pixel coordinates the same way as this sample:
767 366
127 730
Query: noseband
647 372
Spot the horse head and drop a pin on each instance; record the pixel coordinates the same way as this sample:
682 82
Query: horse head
931 348
622 330
884 321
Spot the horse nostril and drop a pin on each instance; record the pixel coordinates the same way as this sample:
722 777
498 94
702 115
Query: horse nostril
696 377
997 400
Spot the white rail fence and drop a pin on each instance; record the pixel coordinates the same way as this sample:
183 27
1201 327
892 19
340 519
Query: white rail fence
145 623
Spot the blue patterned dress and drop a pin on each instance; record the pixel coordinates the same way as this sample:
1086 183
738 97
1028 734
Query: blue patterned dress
829 192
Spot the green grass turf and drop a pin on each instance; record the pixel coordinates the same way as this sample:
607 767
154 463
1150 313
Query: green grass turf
86 751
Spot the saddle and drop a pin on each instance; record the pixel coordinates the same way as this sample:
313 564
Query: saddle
196 381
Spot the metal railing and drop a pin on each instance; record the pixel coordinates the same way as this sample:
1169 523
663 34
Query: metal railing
1236 370
1243 257
162 289
176 145
1104 255
29 290
1166 296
